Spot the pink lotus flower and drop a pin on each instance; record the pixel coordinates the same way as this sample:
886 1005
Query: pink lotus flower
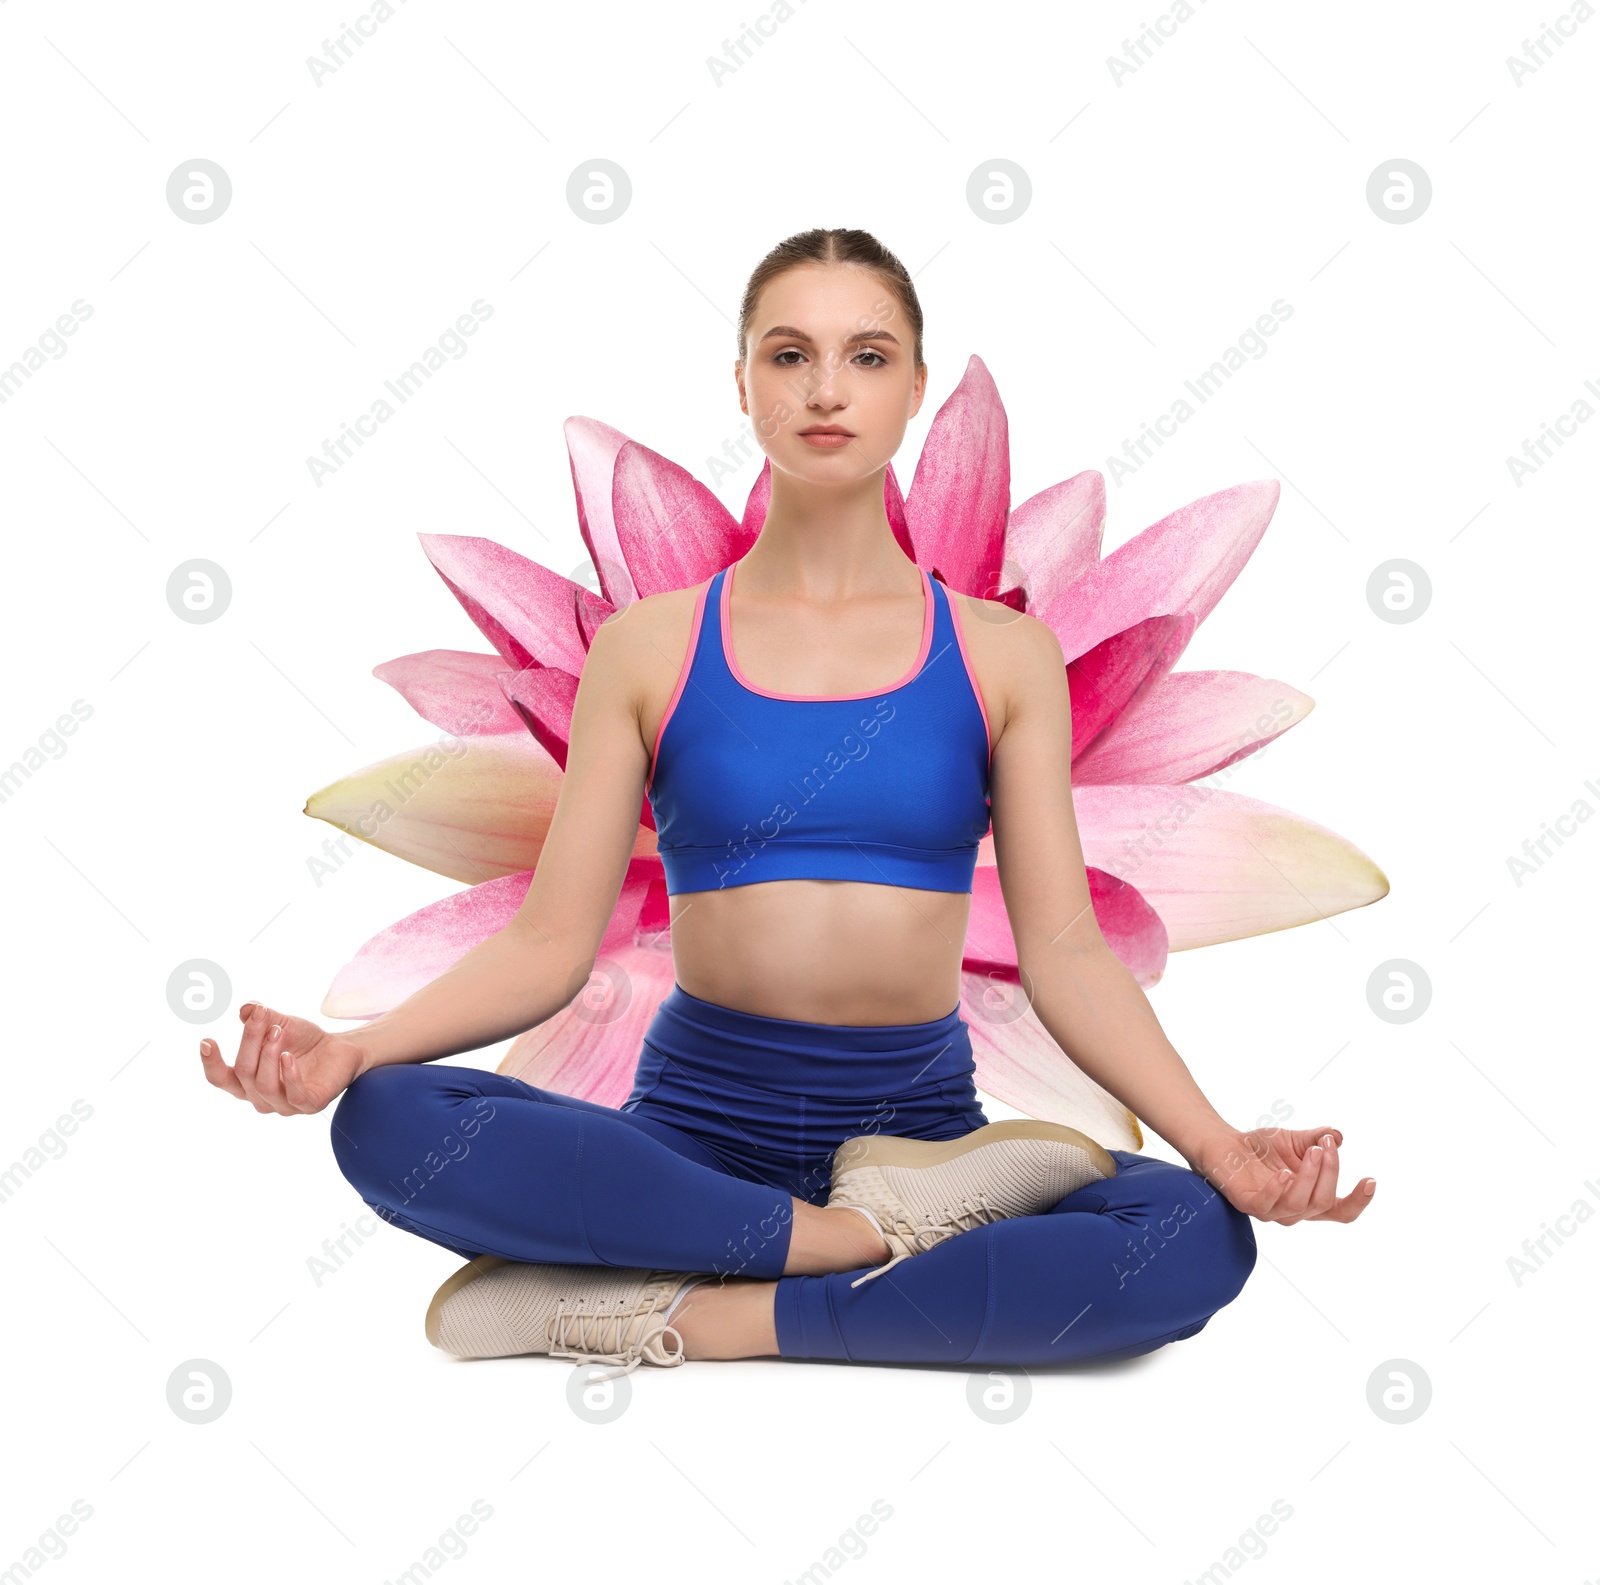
1172 863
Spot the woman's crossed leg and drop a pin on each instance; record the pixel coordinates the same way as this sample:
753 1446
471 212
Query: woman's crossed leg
483 1163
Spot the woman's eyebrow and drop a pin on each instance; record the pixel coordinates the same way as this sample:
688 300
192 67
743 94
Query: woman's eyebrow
789 333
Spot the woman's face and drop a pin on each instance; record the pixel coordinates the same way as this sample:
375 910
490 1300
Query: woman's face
829 349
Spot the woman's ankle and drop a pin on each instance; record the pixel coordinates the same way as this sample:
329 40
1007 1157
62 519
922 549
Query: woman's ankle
877 1246
730 1318
832 1238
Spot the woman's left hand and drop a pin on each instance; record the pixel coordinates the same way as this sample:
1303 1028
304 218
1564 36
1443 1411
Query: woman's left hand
1282 1174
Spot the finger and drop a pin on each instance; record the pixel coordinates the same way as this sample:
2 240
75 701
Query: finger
1297 1192
256 1024
269 1073
289 1079
295 1089
256 1066
1325 1190
1353 1204
1304 1138
218 1072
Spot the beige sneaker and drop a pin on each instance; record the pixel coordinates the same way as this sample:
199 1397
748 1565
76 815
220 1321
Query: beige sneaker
614 1315
924 1191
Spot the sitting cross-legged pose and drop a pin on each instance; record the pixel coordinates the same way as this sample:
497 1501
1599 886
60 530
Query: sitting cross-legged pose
804 1168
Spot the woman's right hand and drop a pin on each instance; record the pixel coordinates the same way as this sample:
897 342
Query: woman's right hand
285 1064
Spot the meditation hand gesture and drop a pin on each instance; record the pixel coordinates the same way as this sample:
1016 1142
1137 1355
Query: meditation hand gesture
285 1064
1282 1174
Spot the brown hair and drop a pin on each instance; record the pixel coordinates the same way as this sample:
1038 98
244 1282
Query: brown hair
834 246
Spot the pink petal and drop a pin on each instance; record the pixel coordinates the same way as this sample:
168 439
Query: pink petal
1191 724
1020 1064
961 491
1132 928
1053 539
453 689
1217 866
587 615
673 531
592 449
1115 674
406 955
528 612
410 953
894 505
542 697
590 1048
1183 563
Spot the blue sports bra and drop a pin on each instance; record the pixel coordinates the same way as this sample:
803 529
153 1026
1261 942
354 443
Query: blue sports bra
890 786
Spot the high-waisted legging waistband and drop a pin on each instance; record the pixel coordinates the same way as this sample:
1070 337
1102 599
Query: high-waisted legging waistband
773 1098
789 1056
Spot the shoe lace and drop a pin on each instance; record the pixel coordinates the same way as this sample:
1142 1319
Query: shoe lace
600 1336
906 1237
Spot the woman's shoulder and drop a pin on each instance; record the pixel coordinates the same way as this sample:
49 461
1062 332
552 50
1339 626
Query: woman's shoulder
1009 652
1009 637
649 637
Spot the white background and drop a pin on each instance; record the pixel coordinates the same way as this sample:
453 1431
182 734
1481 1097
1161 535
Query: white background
1167 213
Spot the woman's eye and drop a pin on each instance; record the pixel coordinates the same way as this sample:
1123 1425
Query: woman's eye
782 359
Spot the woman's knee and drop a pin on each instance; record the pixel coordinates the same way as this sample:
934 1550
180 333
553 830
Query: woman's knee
392 1114
373 1099
1227 1241
1181 1210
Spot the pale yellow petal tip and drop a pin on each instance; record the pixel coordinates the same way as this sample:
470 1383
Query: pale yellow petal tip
312 812
1136 1131
1363 884
348 1005
325 795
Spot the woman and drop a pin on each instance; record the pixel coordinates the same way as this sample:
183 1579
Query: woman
825 733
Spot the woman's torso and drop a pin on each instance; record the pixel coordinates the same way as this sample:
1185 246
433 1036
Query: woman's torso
859 743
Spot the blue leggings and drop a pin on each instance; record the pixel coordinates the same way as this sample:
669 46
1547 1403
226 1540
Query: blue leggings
731 1114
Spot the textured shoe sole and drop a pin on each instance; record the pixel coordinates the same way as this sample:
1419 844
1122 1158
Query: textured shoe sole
468 1273
880 1150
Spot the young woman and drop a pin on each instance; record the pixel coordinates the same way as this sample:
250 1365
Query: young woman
803 1167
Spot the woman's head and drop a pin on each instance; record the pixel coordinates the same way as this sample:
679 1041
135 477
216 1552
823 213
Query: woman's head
830 335
823 246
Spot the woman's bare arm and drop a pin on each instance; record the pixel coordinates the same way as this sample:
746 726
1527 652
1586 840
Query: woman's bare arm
1080 989
535 964
1084 994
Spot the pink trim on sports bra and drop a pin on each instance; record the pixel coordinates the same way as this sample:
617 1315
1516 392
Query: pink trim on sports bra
972 676
865 693
683 677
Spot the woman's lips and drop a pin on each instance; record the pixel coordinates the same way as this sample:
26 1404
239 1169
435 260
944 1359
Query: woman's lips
826 442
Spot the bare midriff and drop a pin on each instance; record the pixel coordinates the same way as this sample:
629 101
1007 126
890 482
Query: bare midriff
824 952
